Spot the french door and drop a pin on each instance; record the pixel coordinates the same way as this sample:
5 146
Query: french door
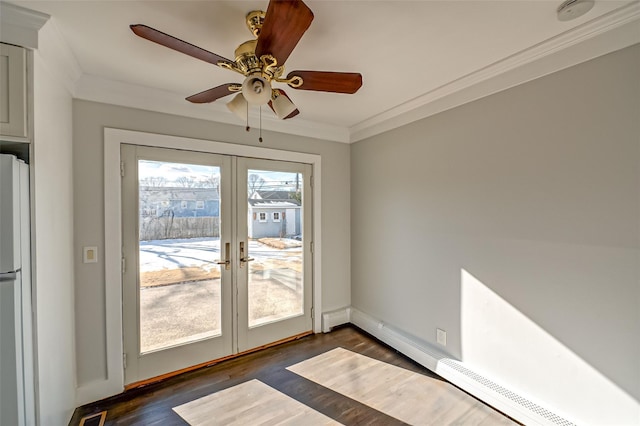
216 256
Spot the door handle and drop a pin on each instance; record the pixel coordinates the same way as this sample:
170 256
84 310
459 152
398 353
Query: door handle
9 276
227 261
243 258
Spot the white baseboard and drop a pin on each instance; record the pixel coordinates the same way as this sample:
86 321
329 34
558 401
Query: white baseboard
498 396
96 391
421 353
335 318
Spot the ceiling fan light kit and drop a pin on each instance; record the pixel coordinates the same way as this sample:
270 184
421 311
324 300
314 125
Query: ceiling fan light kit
238 106
261 61
256 89
282 105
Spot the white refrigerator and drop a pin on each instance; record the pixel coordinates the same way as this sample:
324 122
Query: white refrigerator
17 405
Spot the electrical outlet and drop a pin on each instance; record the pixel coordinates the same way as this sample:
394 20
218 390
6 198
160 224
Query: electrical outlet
441 337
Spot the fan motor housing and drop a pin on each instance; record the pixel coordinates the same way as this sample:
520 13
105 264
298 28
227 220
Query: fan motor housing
246 57
248 63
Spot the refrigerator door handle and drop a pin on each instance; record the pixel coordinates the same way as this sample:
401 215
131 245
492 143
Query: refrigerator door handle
9 276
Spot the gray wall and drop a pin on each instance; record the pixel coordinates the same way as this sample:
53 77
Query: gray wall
89 120
513 223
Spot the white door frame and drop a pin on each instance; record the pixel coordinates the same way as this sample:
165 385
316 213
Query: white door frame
113 138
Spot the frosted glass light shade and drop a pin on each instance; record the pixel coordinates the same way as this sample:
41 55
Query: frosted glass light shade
256 89
282 105
238 106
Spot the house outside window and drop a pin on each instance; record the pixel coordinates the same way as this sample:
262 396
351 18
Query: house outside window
276 216
199 204
183 204
262 217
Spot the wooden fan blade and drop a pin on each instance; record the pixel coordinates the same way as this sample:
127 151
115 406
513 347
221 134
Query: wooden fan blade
292 113
284 24
326 81
213 94
171 42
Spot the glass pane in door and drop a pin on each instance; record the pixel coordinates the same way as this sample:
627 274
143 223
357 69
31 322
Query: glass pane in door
179 244
274 224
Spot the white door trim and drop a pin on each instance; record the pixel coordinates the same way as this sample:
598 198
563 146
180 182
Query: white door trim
113 138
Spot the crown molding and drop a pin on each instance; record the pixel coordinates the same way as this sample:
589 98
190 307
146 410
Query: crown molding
613 31
98 89
20 26
610 32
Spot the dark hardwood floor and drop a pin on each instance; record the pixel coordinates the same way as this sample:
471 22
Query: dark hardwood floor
152 404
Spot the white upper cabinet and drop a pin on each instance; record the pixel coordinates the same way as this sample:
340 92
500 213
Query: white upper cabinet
13 92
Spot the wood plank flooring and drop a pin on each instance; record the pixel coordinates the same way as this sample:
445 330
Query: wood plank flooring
250 403
153 404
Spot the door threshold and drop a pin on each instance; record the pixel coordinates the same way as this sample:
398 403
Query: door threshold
156 379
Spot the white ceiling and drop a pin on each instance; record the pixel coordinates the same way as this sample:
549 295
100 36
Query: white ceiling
410 53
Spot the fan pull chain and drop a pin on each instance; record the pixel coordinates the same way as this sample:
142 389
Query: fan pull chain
247 128
260 138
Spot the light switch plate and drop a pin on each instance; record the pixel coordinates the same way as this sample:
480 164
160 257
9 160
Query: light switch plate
90 255
441 337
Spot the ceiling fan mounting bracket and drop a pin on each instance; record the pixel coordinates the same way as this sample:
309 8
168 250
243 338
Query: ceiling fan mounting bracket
230 66
255 19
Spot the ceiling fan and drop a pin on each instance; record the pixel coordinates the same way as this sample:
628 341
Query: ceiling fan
261 61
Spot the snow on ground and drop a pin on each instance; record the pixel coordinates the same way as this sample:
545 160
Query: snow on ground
199 252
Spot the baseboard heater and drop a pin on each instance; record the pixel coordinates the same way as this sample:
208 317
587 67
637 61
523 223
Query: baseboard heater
510 403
